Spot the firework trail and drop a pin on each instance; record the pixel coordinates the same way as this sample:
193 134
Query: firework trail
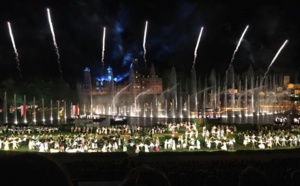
54 42
196 48
233 55
144 42
278 52
103 45
15 49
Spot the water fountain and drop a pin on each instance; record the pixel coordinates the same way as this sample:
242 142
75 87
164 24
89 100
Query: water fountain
51 111
34 111
15 110
58 114
43 111
173 82
114 109
136 107
5 119
166 97
193 98
213 92
240 97
24 110
243 96
65 111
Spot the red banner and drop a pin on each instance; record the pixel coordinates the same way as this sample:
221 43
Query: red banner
23 110
75 110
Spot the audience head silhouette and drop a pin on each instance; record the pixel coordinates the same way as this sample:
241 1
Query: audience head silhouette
251 176
31 169
212 181
295 178
145 175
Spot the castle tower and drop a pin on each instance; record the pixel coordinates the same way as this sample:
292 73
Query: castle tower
152 71
110 76
286 80
131 78
87 82
86 88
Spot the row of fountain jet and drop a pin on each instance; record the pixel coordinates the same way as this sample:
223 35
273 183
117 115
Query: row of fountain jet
240 96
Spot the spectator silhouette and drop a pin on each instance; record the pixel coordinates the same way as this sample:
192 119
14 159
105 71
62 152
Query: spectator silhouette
145 175
212 181
31 169
251 176
295 178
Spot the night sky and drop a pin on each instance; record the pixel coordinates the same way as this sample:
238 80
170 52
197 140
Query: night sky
173 29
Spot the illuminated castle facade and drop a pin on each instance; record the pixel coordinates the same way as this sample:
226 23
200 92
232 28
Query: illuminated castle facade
135 84
108 88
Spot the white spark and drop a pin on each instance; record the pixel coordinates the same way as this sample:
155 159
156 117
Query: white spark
15 49
275 57
144 42
54 41
233 55
103 45
197 45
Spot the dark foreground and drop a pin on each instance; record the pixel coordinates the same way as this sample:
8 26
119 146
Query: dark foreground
181 168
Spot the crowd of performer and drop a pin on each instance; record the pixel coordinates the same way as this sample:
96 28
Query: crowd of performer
135 139
266 138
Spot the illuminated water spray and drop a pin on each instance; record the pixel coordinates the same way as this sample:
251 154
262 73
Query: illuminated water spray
278 52
197 45
54 42
15 49
233 55
144 42
103 45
